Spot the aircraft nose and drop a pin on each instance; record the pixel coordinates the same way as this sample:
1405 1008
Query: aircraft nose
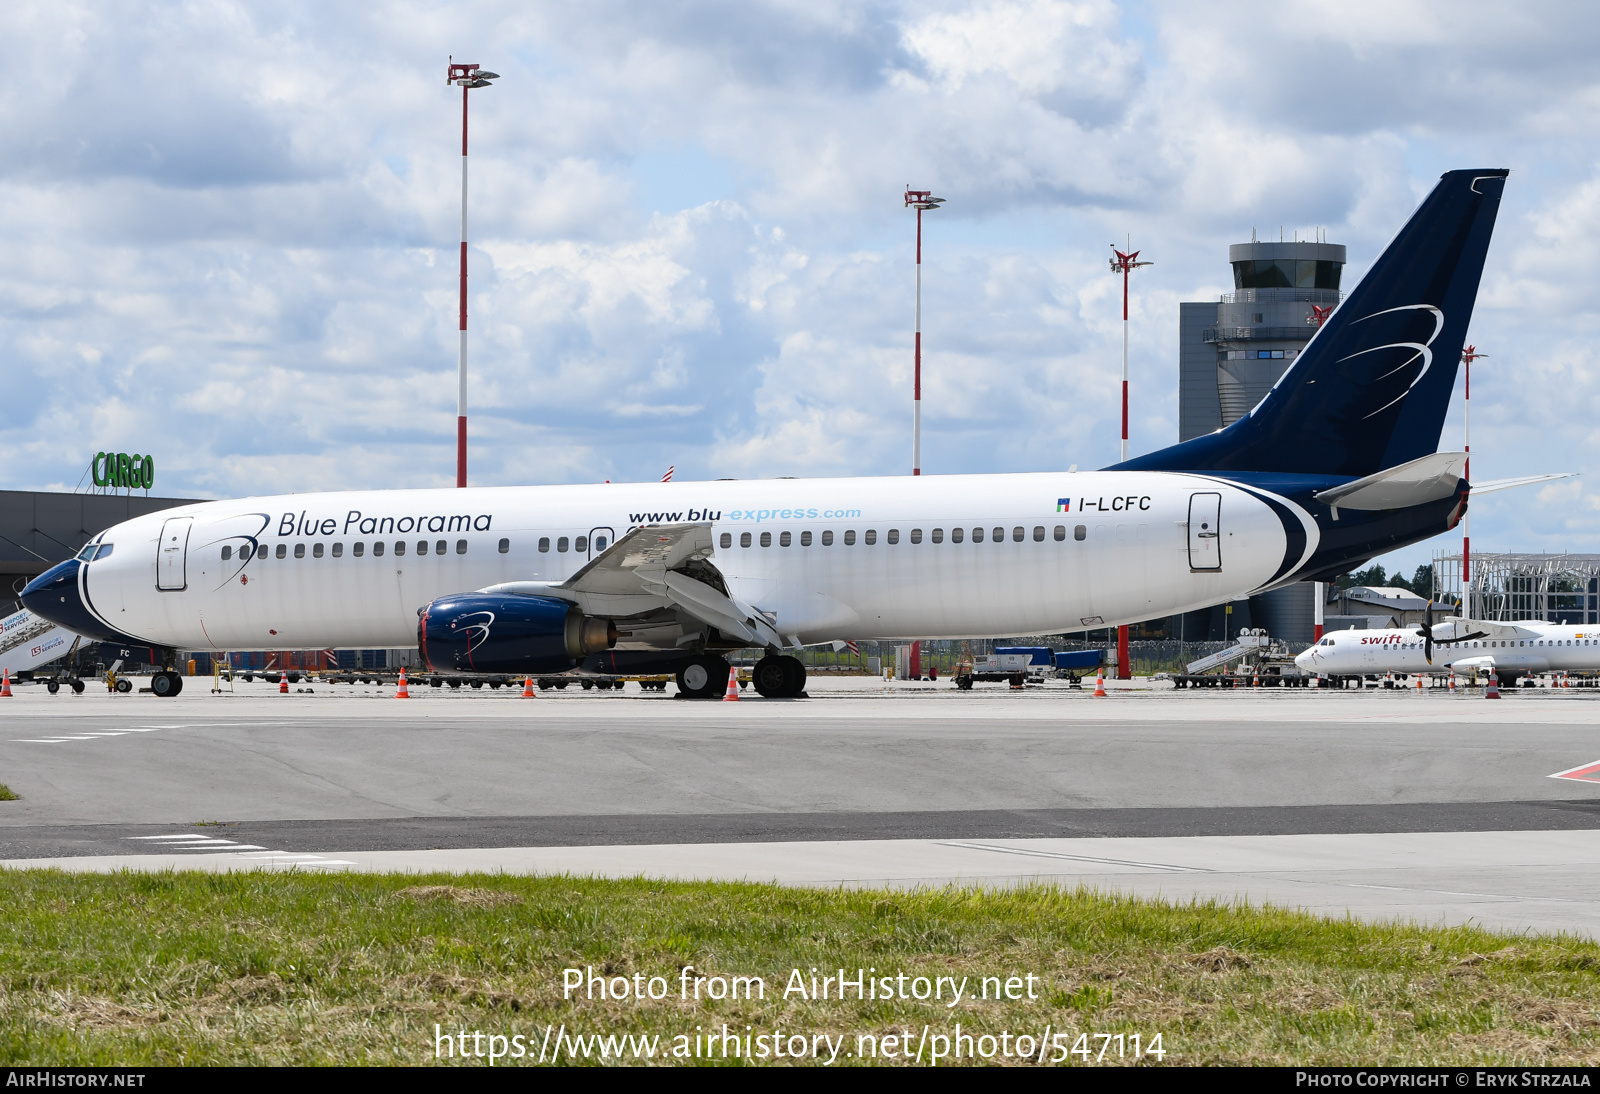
54 595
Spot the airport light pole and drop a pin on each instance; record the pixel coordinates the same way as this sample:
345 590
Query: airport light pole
922 201
466 77
1468 355
1124 262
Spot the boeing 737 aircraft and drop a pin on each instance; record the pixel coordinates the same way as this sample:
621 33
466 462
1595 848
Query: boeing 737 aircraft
1461 646
1338 463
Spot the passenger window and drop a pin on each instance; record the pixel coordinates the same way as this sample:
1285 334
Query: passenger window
850 538
282 551
1017 533
805 539
316 550
999 535
505 546
358 549
581 543
299 550
784 540
766 539
956 534
872 536
440 547
544 545
422 547
977 535
399 547
561 545
1079 532
338 550
892 535
227 553
916 535
727 539
938 535
827 538
1038 533
1061 532
599 543
461 546
377 548
744 539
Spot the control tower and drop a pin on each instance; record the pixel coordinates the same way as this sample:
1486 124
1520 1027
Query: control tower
1230 353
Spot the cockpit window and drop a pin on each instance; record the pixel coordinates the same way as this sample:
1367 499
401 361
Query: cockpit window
86 554
104 551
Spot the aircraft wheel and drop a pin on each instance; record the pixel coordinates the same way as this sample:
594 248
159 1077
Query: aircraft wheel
797 676
77 687
771 677
124 686
165 684
52 687
703 677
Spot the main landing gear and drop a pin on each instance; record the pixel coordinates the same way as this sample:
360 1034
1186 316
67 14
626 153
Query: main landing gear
703 676
779 677
165 684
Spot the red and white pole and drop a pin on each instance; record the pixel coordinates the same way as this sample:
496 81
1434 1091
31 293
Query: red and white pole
920 200
916 354
1468 355
1124 262
468 76
461 353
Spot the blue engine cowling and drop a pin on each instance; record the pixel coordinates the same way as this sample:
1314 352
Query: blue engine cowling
477 632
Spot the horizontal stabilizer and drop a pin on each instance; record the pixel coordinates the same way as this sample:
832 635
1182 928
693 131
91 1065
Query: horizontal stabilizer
1430 478
1527 480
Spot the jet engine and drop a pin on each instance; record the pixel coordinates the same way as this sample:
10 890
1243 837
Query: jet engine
522 635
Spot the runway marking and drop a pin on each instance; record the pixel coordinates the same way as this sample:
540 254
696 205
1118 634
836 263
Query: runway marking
1587 773
96 734
1034 853
252 852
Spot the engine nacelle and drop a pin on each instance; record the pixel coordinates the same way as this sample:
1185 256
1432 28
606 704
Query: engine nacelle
521 635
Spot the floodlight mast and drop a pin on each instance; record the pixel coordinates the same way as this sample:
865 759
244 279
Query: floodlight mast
922 201
468 77
1124 262
1468 355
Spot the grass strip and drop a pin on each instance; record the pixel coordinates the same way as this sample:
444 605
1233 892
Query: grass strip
274 968
7 794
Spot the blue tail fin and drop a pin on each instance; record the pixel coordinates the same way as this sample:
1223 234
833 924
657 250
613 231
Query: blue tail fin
1371 389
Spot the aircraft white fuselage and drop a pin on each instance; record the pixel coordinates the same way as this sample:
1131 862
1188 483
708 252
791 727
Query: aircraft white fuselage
1526 647
828 559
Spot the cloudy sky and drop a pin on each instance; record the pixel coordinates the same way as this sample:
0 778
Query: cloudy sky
228 230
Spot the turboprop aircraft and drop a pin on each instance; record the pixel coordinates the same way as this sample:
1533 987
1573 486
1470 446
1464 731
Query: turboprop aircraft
1338 463
1461 646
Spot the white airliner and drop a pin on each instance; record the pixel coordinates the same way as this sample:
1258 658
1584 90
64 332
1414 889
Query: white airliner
1461 646
1337 464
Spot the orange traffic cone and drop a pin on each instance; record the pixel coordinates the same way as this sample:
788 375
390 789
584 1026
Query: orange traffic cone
1419 681
1494 686
402 692
1452 682
733 686
1566 680
283 684
1100 684
5 684
527 690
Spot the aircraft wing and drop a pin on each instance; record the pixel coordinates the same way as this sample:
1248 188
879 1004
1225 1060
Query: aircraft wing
651 568
1527 480
1465 630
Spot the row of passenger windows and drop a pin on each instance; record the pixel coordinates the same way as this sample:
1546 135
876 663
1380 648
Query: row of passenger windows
1488 645
439 547
870 536
581 544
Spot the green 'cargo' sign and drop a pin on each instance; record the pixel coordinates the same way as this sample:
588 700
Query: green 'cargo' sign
122 471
